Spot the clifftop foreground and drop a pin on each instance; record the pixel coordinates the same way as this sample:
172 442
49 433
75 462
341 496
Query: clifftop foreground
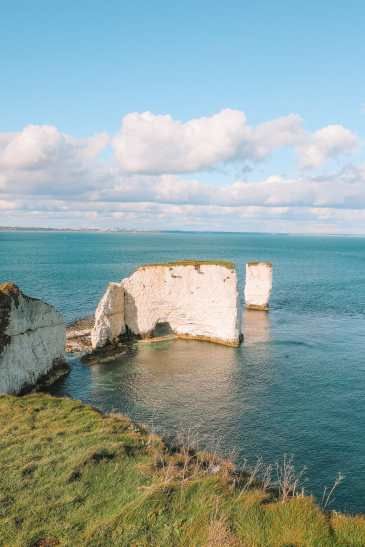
72 476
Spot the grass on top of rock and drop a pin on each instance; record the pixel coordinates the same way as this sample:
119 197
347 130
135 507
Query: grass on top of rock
191 262
73 476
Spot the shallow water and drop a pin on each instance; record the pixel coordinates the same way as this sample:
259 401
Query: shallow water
295 386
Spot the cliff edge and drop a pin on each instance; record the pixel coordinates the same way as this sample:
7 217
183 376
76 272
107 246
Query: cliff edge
32 341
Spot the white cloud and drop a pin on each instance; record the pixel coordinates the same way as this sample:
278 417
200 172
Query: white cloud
148 143
342 189
326 143
155 144
41 157
281 132
46 174
169 216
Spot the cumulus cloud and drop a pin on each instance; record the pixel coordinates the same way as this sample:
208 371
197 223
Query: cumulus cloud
40 156
326 143
156 144
47 174
272 135
149 143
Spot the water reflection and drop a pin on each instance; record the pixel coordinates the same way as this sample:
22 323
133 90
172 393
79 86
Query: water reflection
175 384
256 327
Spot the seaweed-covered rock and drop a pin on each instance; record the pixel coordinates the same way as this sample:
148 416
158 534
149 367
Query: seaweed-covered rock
32 341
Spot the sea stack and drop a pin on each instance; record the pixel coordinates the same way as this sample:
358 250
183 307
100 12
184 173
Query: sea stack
109 316
32 341
258 285
191 299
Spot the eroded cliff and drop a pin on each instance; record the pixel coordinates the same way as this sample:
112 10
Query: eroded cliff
32 340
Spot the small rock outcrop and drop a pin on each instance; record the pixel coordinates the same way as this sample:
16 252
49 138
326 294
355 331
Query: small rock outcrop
78 335
32 341
258 285
191 299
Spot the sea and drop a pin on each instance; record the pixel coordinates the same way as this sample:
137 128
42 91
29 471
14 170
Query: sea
295 387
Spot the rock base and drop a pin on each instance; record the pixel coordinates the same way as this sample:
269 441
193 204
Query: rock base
78 335
59 370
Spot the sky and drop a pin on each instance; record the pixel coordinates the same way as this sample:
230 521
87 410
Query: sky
233 116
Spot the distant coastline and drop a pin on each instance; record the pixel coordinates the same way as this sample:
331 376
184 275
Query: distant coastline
92 230
136 231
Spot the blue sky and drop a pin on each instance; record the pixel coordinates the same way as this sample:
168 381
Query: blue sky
81 67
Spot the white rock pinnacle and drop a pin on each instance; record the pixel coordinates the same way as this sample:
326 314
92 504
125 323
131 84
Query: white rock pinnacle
258 285
109 316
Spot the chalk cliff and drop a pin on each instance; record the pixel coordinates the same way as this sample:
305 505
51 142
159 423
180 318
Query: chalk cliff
258 285
192 299
109 316
32 341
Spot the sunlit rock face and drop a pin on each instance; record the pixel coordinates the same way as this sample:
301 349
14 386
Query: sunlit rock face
32 341
109 316
258 285
190 299
194 299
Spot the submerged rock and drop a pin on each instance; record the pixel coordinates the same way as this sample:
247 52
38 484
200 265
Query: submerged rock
258 285
32 341
191 299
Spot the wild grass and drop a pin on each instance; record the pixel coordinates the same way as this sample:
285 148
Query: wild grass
71 476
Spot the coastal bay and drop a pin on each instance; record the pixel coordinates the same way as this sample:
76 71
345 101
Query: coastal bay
291 386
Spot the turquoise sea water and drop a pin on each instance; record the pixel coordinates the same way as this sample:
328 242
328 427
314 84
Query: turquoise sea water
295 386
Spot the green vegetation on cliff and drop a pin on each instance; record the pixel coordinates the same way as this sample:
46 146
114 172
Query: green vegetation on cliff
191 262
72 476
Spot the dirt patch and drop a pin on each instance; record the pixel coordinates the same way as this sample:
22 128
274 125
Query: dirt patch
46 542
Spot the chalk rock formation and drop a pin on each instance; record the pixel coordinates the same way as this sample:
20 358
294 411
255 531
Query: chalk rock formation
192 299
32 341
109 316
258 285
195 299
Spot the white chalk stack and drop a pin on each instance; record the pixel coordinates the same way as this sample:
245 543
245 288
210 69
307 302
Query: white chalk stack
194 299
258 285
197 300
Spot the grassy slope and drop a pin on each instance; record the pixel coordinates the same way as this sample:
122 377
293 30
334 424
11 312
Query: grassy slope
71 476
